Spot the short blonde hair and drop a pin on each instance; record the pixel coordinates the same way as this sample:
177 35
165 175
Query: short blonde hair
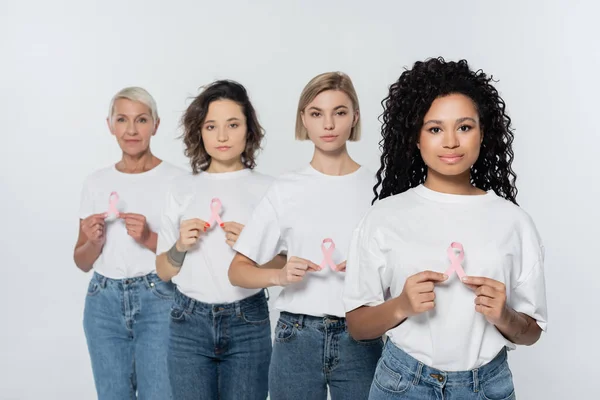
319 84
134 93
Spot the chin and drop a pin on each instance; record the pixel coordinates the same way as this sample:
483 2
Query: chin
451 170
331 147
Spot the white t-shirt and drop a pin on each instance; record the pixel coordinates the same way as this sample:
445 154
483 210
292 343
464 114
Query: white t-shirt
143 193
411 232
204 274
300 210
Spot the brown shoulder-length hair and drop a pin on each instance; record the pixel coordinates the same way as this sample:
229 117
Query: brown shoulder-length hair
195 115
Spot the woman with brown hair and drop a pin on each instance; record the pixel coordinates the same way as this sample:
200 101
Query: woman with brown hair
220 335
310 215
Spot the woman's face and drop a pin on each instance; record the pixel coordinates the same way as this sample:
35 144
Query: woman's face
224 131
451 136
329 119
133 126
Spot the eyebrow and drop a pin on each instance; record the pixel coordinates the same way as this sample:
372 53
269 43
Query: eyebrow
229 120
138 115
318 109
458 121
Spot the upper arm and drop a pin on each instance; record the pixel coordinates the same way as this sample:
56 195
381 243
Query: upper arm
81 239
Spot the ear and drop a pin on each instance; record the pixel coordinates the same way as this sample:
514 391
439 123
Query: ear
356 117
156 126
109 126
302 116
418 145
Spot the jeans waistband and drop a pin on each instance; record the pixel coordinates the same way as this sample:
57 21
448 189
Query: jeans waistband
147 280
424 373
302 320
191 305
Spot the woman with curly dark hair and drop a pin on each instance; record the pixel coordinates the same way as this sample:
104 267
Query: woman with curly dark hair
445 262
220 335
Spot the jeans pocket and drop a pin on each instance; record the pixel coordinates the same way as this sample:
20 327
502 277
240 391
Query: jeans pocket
177 313
499 386
93 287
369 342
389 380
284 331
256 315
163 290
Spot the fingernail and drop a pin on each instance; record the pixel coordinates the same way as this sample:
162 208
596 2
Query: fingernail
465 279
445 276
221 225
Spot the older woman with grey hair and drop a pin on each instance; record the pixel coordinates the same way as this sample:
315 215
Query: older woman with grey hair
126 317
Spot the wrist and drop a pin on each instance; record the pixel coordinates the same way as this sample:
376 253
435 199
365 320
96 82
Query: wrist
175 256
400 314
509 317
180 246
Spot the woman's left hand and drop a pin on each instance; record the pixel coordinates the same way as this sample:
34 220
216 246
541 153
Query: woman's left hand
490 298
136 226
232 232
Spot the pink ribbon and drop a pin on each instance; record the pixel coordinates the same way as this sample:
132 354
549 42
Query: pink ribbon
327 254
215 209
456 260
113 200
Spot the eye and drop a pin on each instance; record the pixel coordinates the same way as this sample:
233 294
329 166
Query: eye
209 127
342 113
435 129
465 128
234 125
315 114
120 119
143 120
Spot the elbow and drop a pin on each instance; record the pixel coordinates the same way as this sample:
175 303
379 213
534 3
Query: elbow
232 274
82 266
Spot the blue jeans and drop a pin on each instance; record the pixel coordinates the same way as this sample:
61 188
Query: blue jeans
126 323
400 376
219 351
311 353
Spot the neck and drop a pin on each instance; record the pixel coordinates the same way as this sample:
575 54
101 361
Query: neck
335 163
219 167
138 163
458 184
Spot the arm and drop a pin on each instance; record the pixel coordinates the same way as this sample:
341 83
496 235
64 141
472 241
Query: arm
417 297
490 301
90 242
164 269
244 272
189 234
520 328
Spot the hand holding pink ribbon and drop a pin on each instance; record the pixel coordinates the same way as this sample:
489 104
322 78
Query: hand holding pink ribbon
455 261
113 201
328 256
215 210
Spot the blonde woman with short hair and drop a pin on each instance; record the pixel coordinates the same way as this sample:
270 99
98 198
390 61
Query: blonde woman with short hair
309 215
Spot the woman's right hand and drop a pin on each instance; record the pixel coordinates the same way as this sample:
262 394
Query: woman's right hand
189 233
417 295
93 228
295 270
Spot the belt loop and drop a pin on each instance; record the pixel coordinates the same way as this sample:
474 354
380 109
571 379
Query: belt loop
238 308
418 373
476 380
300 321
146 282
101 280
190 304
266 292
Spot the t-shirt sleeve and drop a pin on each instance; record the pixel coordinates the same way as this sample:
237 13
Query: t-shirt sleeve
261 239
528 295
364 282
86 205
169 223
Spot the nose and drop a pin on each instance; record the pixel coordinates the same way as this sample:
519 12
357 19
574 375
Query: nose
131 128
451 140
222 135
328 123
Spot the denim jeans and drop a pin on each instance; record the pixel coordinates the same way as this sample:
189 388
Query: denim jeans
311 353
400 376
219 351
126 323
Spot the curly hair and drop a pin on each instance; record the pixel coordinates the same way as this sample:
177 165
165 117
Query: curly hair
405 107
195 115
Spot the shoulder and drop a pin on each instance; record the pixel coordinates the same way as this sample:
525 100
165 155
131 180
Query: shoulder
99 176
169 170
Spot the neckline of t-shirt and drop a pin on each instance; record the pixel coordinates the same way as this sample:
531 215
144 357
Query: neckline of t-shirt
351 175
226 175
150 172
440 197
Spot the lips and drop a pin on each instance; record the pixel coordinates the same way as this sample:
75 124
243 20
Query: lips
451 158
328 138
223 148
